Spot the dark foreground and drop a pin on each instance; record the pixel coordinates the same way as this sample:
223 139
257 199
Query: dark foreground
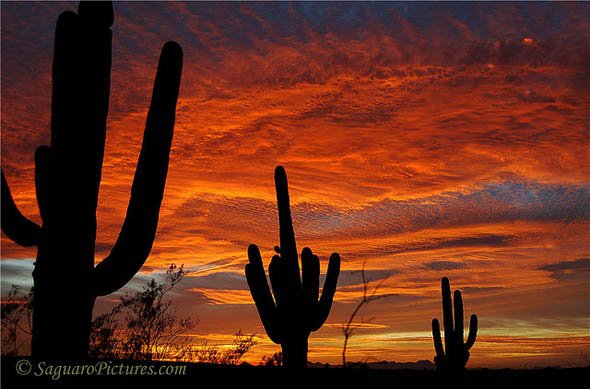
24 372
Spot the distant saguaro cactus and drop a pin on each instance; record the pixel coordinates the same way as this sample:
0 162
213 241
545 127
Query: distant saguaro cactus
295 311
67 178
454 356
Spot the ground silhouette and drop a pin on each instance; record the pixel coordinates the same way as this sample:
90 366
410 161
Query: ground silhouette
267 377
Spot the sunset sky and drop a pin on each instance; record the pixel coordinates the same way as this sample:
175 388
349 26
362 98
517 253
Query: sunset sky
425 140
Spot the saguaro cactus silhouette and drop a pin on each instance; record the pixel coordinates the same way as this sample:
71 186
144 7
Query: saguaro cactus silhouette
455 354
67 179
295 311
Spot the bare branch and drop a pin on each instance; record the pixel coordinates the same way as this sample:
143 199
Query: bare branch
349 328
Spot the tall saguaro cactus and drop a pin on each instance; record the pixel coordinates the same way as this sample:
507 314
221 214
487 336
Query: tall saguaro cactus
67 180
454 356
296 309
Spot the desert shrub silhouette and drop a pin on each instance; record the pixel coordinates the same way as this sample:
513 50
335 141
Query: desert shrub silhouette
295 311
455 354
67 180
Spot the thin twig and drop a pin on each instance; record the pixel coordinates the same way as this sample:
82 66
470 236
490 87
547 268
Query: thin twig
348 329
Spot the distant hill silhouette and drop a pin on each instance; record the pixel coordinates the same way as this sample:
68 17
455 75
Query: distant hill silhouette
381 365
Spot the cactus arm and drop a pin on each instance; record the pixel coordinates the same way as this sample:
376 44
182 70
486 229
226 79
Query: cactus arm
458 304
288 245
328 291
447 306
310 269
472 332
16 226
139 228
261 293
438 346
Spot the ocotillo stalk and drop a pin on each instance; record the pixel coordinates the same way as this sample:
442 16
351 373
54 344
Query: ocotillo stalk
455 354
296 310
67 178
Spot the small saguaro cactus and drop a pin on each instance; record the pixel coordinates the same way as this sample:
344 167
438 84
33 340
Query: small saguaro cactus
67 179
455 354
295 311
